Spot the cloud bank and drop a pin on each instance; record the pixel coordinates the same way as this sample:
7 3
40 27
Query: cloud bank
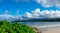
34 14
43 14
49 3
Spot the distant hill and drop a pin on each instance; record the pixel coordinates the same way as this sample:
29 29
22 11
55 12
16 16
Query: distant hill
25 19
41 20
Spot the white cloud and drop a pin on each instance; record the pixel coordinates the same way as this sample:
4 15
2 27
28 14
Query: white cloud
49 3
7 16
43 14
10 17
28 15
34 14
36 11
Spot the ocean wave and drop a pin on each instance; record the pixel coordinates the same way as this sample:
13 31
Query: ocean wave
46 26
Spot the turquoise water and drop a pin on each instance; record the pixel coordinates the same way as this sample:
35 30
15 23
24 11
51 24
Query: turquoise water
43 25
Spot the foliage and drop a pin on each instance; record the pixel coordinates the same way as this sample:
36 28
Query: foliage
9 27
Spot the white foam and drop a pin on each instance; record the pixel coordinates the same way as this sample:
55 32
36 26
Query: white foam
47 26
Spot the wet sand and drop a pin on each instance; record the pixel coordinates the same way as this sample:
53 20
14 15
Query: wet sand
54 30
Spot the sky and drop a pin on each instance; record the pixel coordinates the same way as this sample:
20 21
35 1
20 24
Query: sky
31 8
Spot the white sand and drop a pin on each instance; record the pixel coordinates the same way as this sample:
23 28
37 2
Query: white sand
54 30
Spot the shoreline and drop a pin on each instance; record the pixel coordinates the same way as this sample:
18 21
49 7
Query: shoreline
45 28
53 30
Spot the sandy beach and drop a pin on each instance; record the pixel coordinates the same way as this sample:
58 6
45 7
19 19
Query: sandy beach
54 30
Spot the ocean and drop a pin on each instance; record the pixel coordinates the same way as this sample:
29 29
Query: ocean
43 26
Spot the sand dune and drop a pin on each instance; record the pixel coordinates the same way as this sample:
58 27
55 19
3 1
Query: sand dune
54 30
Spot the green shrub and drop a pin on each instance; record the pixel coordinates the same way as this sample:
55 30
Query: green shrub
9 27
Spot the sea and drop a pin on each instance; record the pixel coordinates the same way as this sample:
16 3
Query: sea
43 26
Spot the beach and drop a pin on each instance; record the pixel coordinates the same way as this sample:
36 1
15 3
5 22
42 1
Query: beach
54 30
45 27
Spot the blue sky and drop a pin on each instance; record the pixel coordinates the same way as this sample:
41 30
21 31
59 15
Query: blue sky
22 5
23 9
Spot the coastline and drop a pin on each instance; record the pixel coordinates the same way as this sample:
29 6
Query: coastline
53 30
49 28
